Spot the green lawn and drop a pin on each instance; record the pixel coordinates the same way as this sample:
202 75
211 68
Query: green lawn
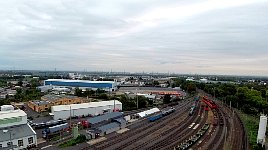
72 142
252 125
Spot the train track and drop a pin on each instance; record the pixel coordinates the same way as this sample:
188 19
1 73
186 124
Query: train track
157 134
176 136
142 128
234 129
238 140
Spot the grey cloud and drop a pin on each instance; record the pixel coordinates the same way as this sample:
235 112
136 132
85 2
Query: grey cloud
77 35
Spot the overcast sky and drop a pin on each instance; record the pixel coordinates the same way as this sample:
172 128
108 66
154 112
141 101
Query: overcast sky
181 36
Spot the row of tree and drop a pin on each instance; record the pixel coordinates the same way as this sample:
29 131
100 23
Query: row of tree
250 99
131 103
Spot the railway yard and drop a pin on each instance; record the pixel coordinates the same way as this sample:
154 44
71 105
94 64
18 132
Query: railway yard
195 123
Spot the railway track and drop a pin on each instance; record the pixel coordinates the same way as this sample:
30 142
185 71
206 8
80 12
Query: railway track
131 135
176 136
234 129
157 134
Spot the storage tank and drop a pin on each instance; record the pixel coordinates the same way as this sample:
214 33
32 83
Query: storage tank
262 130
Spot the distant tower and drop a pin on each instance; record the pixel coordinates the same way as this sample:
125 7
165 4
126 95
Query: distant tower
262 130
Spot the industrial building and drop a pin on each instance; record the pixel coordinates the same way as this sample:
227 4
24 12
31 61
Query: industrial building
106 123
94 85
104 119
52 100
85 109
15 132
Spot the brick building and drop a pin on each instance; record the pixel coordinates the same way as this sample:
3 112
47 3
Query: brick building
51 100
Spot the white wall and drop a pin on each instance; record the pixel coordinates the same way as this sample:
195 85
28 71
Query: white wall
25 142
84 111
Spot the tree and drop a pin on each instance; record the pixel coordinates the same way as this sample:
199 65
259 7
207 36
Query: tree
191 87
78 92
20 83
103 96
155 83
142 101
166 99
263 93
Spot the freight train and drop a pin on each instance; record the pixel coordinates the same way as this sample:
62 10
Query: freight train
193 139
47 124
209 102
162 114
51 131
194 106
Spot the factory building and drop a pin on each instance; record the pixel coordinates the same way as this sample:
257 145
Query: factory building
85 109
94 85
51 100
15 132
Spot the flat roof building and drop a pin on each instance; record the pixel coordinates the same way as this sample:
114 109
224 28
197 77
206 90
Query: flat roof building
15 132
51 100
106 85
85 109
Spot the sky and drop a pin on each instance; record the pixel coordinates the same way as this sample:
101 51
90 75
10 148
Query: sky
185 36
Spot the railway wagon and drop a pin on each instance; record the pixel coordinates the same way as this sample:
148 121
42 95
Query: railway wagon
54 130
193 139
206 108
210 103
47 124
169 111
191 110
156 117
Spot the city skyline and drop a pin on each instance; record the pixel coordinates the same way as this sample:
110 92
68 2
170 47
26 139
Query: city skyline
203 37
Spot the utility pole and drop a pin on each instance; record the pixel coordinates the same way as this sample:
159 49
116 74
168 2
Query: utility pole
214 93
70 116
225 137
137 99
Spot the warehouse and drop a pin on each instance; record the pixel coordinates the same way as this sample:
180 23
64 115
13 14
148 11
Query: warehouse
94 85
85 109
109 128
106 118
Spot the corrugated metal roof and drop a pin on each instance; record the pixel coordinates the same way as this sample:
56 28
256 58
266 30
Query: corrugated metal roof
121 120
17 132
107 116
148 112
80 81
51 97
12 113
38 102
109 126
85 105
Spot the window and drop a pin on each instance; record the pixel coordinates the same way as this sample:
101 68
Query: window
30 140
9 144
20 143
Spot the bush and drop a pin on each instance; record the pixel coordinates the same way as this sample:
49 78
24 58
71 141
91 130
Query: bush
80 139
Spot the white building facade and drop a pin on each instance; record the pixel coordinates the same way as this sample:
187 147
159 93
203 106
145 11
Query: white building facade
85 109
15 132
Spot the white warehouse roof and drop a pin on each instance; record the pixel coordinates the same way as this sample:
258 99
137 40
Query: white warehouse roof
12 114
84 105
82 81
